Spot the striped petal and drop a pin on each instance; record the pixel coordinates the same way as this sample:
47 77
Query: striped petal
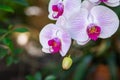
71 5
106 19
78 25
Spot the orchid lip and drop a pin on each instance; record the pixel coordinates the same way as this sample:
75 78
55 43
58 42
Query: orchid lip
57 10
93 31
103 0
55 45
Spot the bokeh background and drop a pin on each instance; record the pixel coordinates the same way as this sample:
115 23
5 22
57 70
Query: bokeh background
21 57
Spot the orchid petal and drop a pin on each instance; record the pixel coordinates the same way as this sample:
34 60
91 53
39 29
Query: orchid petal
71 5
94 1
51 17
87 4
113 4
78 25
65 41
63 35
83 43
46 34
113 1
106 19
61 21
51 31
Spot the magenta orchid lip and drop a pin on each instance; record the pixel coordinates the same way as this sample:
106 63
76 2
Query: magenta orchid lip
57 10
103 0
55 45
93 32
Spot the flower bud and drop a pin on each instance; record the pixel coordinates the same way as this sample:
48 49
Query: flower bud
66 63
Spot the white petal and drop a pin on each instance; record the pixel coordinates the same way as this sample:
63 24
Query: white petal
78 25
71 5
51 31
113 4
46 34
65 40
106 19
113 1
61 21
83 43
50 16
94 1
87 4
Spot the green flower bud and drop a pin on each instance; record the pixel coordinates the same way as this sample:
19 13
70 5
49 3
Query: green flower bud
66 63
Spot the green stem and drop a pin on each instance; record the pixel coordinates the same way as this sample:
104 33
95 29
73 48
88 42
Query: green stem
4 35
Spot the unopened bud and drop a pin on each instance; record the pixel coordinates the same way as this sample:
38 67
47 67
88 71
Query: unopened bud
67 62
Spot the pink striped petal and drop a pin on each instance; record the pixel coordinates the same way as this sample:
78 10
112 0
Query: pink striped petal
66 42
52 31
87 4
83 43
78 25
94 1
71 5
113 4
106 19
46 34
113 1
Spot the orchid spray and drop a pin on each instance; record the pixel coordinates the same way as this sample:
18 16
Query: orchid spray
77 20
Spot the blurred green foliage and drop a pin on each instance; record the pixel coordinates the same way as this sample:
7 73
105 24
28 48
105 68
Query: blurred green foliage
7 49
82 66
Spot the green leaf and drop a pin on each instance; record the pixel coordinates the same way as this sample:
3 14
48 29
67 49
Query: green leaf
9 60
6 8
2 31
21 2
10 27
82 68
38 76
9 43
21 30
16 60
30 77
3 52
112 66
17 51
50 77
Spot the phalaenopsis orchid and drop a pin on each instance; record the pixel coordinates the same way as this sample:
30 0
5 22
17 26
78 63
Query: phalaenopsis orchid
77 20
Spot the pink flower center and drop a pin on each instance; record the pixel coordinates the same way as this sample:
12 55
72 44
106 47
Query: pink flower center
55 45
93 32
57 10
103 0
